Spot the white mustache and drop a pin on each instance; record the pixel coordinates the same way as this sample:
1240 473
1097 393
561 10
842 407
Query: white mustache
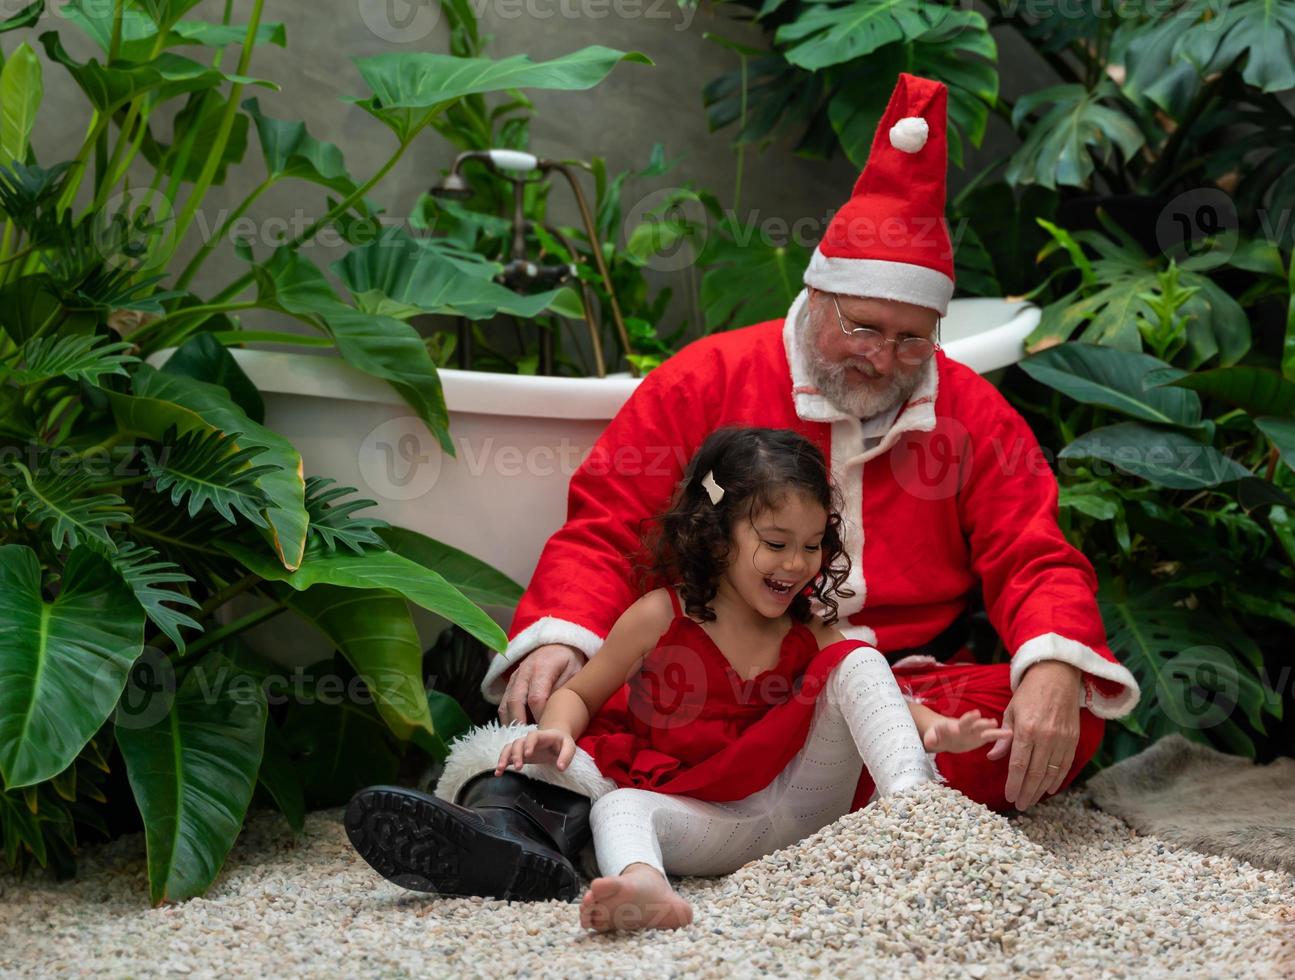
863 367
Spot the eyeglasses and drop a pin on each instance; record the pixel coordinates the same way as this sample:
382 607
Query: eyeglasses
867 341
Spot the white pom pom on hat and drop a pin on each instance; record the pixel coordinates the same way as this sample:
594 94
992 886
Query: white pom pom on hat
909 134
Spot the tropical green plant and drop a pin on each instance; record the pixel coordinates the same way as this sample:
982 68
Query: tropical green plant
410 93
1151 101
1178 483
824 83
474 225
1143 89
482 224
831 66
1128 299
148 516
135 504
733 274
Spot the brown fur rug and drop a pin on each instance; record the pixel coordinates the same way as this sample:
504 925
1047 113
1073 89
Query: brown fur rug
1195 796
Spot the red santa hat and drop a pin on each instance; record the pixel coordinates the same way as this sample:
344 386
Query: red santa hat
890 240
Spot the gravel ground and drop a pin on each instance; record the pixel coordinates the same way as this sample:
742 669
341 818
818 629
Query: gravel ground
925 884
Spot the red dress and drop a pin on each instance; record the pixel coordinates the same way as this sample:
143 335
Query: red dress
688 724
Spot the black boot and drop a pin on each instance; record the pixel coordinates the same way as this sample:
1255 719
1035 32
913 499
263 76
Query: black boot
505 836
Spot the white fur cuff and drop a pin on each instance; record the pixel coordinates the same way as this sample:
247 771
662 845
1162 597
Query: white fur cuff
547 629
478 751
1051 646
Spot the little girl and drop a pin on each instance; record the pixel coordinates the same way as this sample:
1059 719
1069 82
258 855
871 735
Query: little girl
735 720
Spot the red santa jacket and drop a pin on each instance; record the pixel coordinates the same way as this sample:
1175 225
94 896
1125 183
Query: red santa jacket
956 492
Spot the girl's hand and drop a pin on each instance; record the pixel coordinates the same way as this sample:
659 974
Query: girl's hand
542 746
962 734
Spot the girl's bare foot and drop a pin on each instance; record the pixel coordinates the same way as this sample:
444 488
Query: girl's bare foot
638 898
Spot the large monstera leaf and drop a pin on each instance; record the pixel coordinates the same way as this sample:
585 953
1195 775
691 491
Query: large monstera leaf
359 601
63 664
1117 287
1258 390
203 358
192 772
1076 125
767 97
375 632
1195 673
1260 31
871 41
747 279
1154 71
832 33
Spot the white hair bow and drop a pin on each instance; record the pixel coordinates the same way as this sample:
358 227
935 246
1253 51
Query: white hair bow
713 489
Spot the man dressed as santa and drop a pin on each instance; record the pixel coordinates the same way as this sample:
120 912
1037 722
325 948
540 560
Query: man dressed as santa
946 492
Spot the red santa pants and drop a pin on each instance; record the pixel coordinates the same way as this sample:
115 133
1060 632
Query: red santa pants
960 685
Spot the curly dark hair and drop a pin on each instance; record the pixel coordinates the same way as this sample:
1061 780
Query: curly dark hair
689 543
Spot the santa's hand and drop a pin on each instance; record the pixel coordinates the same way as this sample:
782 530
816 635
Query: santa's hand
536 676
1044 718
963 734
542 746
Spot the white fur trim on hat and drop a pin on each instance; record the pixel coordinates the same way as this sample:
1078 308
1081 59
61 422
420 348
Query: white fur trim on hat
478 750
909 134
879 279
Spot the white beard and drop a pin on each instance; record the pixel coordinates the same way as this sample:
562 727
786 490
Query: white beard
863 402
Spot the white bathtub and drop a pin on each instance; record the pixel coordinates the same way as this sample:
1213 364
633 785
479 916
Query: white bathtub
517 439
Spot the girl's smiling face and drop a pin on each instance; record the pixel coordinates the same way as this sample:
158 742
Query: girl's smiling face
776 554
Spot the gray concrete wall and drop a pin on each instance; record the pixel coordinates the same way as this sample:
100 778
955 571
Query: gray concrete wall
621 119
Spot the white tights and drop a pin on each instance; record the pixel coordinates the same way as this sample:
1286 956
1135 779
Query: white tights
860 718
